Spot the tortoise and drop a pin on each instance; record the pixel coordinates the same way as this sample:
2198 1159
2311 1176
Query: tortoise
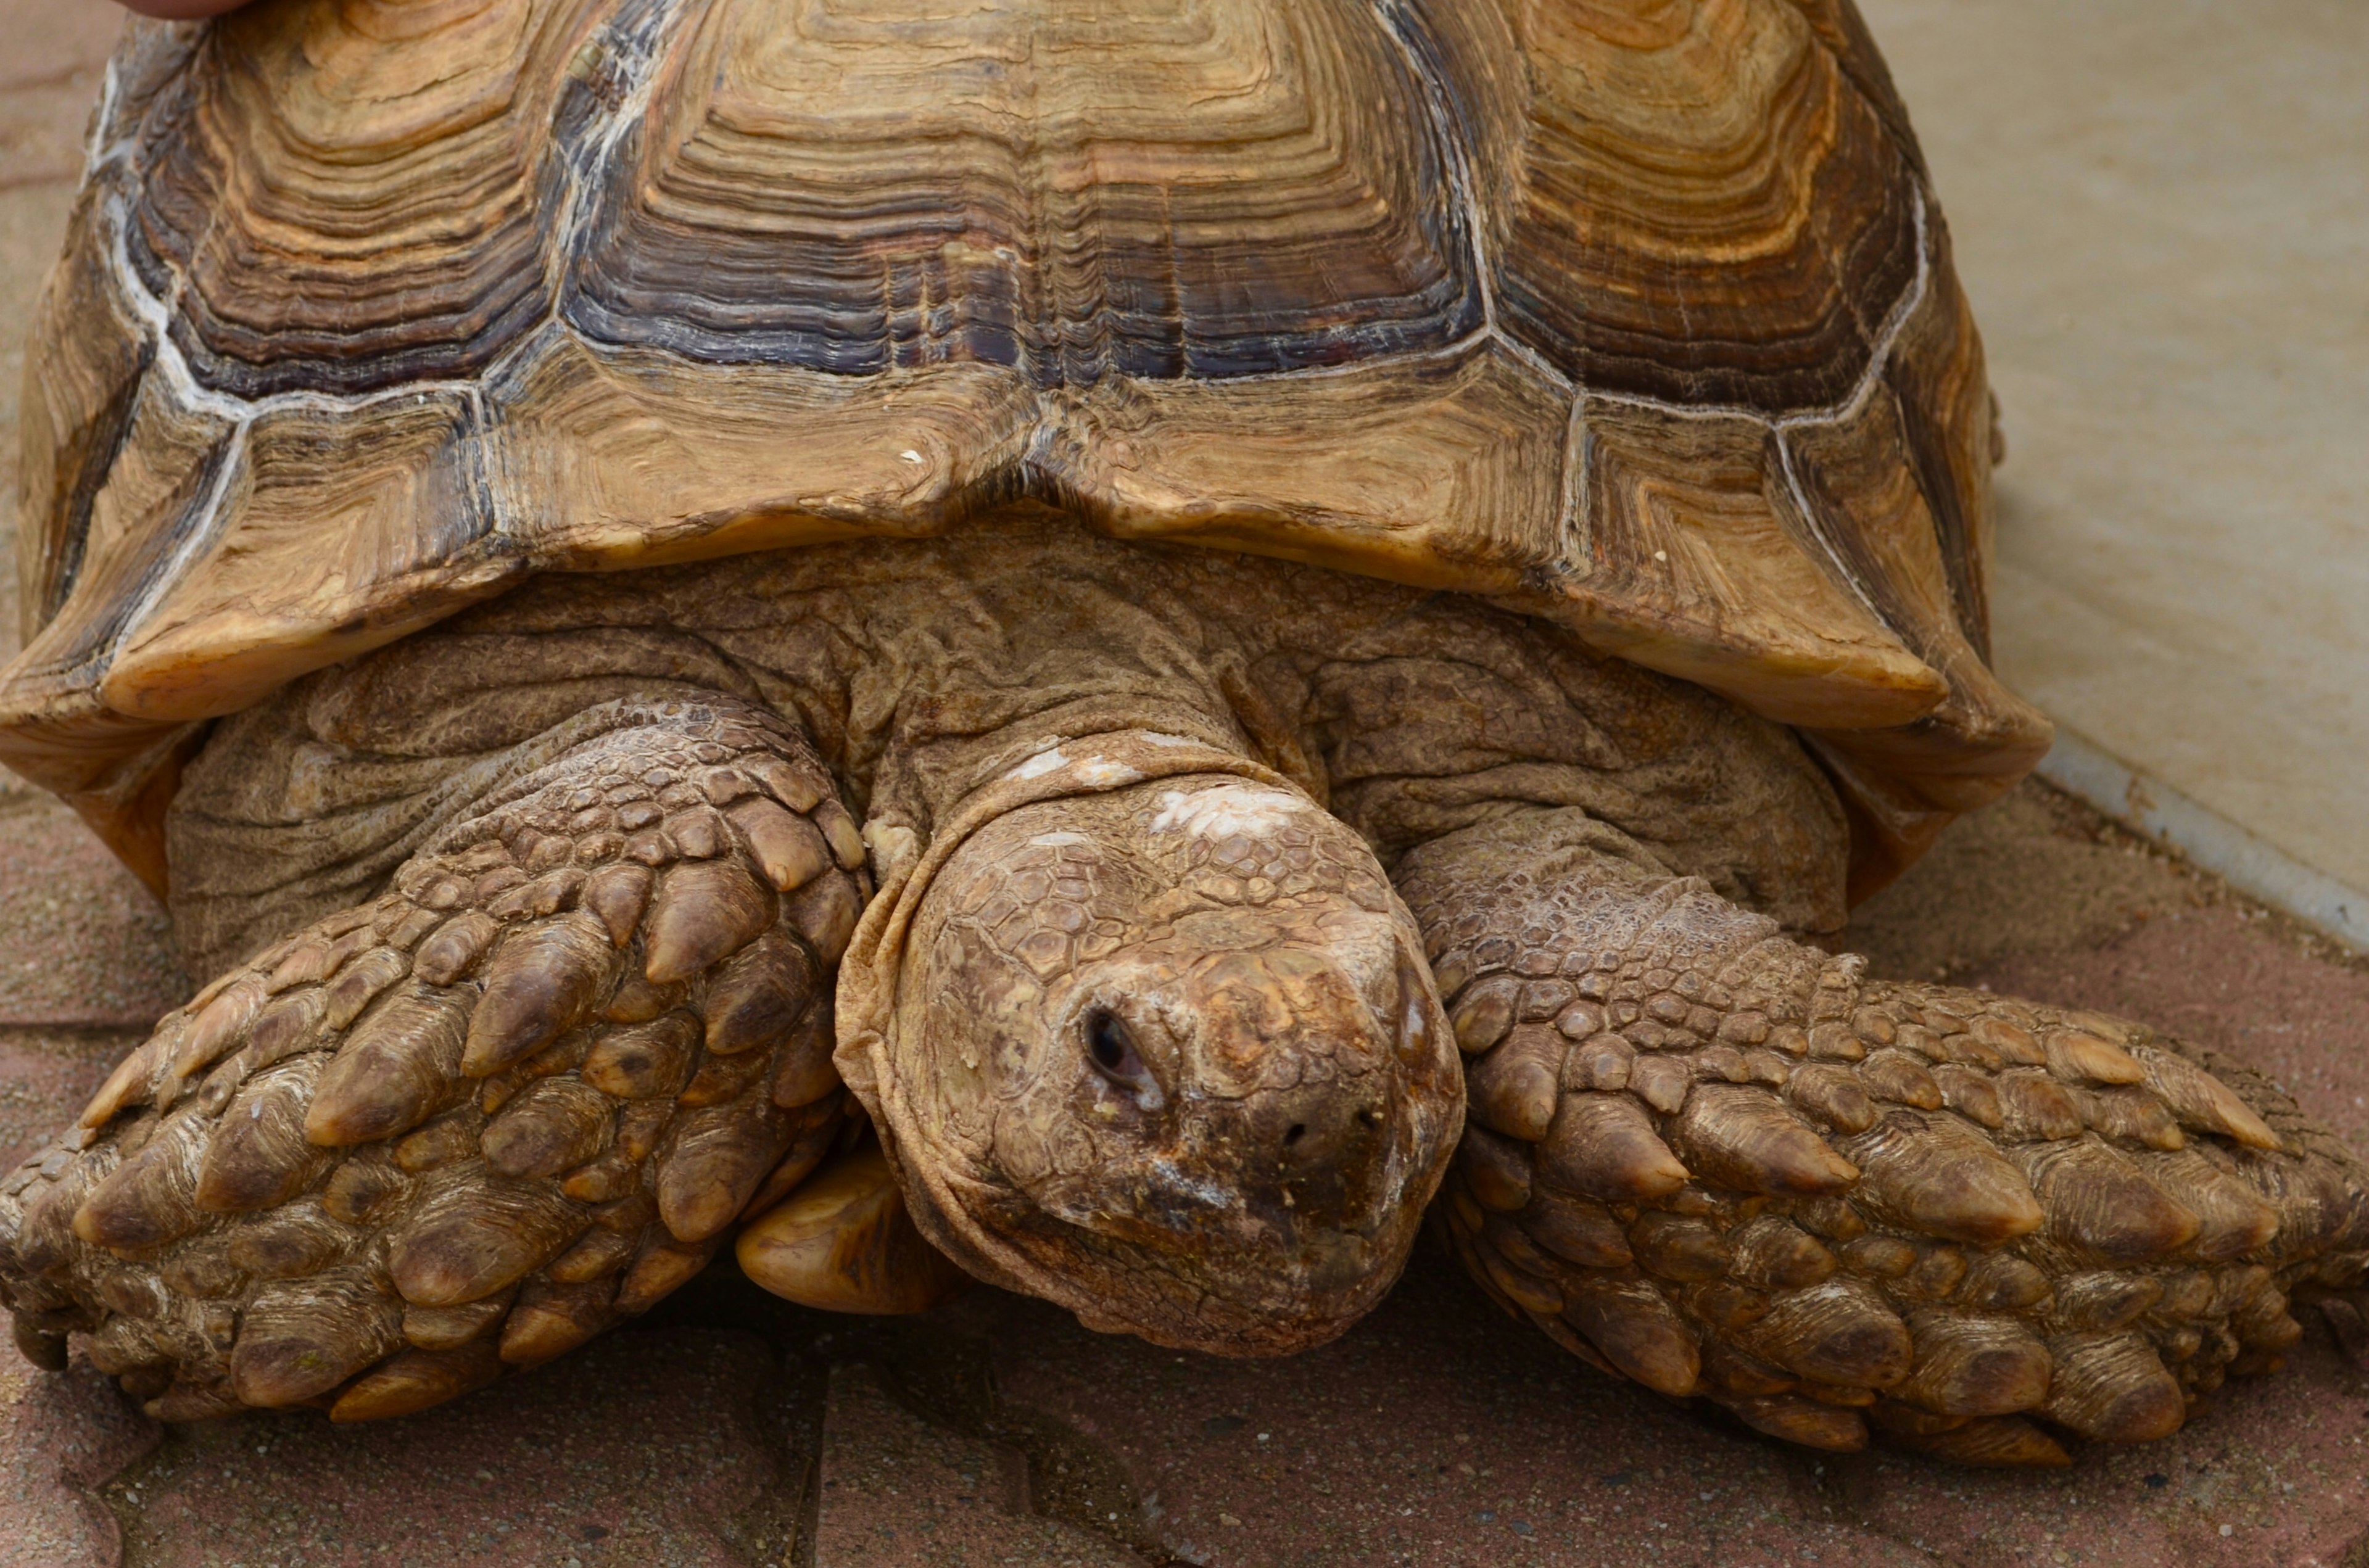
1114 648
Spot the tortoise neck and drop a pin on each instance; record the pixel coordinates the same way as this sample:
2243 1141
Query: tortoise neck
926 777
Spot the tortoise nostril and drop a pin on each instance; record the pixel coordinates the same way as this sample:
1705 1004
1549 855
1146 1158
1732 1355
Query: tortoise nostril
1298 1130
1370 1118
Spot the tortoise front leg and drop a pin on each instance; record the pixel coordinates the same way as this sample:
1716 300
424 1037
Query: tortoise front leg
461 1129
1726 1164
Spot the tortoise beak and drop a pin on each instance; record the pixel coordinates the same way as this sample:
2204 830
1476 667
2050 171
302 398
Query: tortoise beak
1269 1132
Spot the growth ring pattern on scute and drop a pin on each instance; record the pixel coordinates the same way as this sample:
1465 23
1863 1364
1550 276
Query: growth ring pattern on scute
1641 322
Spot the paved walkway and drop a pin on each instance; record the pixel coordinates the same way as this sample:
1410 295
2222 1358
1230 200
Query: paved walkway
2161 210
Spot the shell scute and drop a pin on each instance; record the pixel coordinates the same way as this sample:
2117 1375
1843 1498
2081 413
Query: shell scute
1644 322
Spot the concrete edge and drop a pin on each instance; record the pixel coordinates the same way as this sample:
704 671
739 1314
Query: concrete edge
2207 839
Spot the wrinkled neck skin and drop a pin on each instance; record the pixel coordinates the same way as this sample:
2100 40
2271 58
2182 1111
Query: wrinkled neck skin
1141 1021
925 669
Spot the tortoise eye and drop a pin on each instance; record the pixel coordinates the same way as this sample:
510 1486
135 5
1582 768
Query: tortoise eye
1111 1046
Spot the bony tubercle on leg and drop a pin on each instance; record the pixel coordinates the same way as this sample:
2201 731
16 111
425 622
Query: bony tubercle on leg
1728 1165
459 1130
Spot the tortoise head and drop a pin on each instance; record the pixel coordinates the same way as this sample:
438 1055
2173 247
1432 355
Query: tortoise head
1180 1061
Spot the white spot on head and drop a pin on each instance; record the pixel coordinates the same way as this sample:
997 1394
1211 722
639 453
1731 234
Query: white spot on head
1153 737
1036 767
911 456
1099 773
1226 809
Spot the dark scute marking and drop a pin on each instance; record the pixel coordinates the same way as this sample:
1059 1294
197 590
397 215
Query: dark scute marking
1787 331
254 322
959 274
1843 33
148 562
90 451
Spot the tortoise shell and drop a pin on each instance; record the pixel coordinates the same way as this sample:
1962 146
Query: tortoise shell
1638 317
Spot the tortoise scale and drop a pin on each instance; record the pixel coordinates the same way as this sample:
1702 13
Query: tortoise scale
1115 648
